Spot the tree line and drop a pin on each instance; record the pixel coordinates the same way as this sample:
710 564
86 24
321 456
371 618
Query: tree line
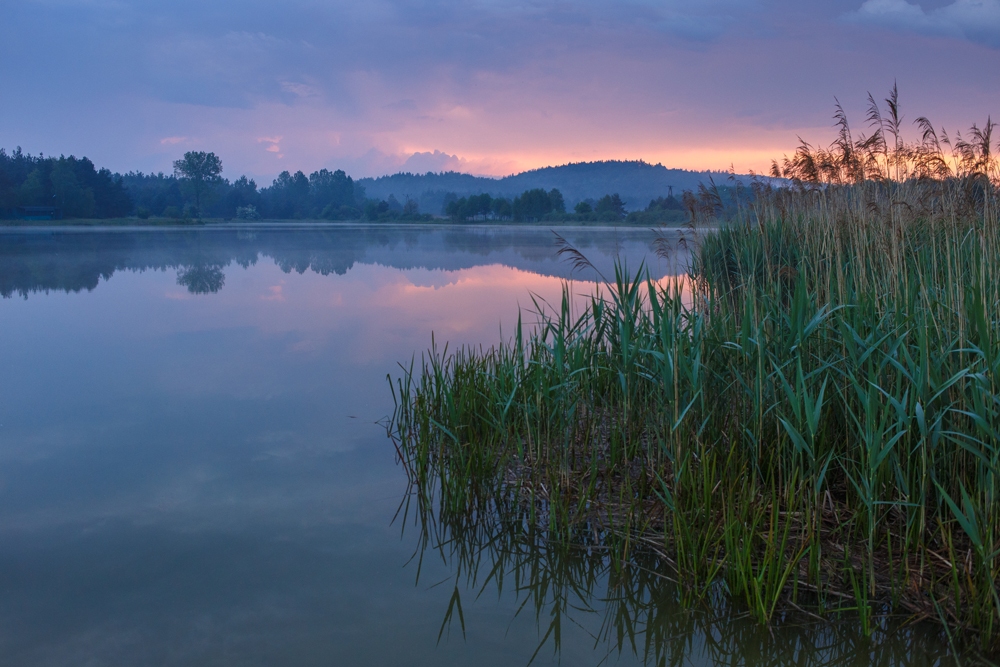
72 185
537 205
196 189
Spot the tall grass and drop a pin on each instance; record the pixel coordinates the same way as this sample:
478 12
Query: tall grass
818 426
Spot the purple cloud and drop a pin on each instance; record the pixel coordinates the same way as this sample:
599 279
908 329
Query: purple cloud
488 86
974 20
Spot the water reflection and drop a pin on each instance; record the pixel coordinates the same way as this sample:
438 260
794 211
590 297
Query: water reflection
193 473
637 611
76 260
200 479
201 279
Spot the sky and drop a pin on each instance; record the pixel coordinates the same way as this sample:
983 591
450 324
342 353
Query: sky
489 87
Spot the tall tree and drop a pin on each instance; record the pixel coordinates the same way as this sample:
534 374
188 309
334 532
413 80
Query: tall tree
557 201
288 196
611 206
533 205
199 170
502 209
332 190
67 192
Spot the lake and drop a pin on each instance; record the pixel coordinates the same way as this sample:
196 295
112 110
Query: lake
194 466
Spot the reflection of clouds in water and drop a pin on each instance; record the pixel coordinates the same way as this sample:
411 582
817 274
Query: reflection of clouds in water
197 457
274 293
75 260
380 313
488 277
294 480
239 370
429 278
32 442
468 306
377 313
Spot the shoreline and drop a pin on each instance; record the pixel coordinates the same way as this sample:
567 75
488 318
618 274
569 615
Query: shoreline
130 225
218 222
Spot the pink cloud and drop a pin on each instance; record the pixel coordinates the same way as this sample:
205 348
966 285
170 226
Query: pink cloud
274 293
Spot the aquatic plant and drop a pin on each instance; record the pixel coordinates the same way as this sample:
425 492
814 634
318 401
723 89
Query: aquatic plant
815 425
634 608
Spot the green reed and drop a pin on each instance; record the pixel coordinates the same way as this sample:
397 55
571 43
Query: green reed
634 608
817 423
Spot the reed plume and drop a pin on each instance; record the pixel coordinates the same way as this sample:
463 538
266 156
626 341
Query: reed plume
819 427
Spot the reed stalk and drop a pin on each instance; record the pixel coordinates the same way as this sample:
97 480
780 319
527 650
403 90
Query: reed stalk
818 423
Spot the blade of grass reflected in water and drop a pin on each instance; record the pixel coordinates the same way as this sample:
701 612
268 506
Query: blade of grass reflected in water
636 608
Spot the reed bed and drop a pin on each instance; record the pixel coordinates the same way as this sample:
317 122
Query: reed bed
635 608
817 427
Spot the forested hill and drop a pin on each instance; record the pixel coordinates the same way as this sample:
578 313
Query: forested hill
636 182
42 187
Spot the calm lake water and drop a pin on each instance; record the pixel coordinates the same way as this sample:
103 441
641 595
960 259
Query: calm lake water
193 470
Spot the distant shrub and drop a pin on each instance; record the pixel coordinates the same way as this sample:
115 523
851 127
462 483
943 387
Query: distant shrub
248 212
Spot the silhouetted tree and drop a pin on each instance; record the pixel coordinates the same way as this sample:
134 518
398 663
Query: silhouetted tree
199 171
332 194
240 195
288 196
610 206
532 205
72 184
502 209
67 192
557 201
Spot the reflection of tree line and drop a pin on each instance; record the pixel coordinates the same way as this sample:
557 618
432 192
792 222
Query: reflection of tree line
637 609
75 261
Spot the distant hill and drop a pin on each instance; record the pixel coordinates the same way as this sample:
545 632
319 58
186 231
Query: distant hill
636 182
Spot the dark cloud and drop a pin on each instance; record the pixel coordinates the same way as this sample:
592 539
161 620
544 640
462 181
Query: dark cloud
236 54
974 20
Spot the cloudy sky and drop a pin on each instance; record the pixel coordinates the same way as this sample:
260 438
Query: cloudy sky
484 86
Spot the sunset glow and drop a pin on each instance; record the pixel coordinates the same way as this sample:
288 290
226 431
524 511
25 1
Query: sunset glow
482 87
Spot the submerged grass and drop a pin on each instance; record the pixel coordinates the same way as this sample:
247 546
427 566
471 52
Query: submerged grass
816 425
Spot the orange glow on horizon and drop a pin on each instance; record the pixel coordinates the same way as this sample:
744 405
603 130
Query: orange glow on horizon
741 160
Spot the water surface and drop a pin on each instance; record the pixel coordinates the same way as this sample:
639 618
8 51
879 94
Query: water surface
193 472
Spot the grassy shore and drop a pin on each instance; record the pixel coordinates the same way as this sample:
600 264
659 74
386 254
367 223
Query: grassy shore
816 425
